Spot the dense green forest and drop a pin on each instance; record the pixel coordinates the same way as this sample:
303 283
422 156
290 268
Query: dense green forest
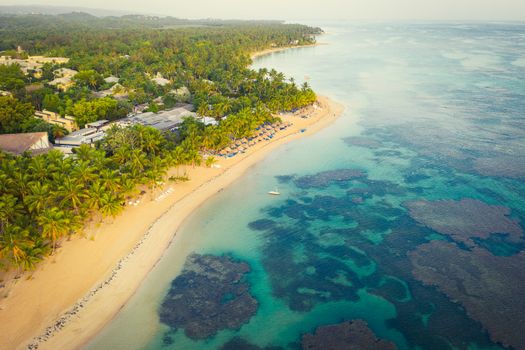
47 197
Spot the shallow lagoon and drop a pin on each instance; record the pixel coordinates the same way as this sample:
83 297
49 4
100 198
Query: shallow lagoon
435 115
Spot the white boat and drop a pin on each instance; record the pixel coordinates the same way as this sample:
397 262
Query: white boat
274 192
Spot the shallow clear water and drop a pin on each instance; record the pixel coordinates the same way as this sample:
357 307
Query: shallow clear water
434 112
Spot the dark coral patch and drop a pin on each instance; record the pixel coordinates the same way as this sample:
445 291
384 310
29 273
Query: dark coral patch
208 296
354 335
327 178
465 219
489 287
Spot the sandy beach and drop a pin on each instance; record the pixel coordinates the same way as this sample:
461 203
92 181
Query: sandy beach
73 294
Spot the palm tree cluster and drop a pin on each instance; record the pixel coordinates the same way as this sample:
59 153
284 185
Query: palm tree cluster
212 62
48 197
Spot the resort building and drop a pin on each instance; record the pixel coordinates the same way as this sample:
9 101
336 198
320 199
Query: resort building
140 108
111 80
64 72
82 136
165 120
160 80
51 60
63 84
117 91
63 78
34 142
33 64
99 124
208 121
67 122
26 66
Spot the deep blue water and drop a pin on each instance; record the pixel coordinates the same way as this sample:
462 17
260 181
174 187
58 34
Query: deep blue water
407 213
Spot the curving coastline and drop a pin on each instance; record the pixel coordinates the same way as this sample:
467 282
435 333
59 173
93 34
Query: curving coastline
111 267
278 49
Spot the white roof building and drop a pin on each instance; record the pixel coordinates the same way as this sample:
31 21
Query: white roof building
164 120
159 80
82 136
208 121
64 72
111 79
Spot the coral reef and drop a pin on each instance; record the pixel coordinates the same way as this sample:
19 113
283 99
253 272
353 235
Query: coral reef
208 296
354 335
490 288
465 219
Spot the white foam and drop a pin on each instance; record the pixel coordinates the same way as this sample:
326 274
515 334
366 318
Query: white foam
520 62
481 62
454 55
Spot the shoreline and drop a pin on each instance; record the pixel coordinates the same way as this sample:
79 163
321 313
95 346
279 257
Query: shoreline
261 53
74 304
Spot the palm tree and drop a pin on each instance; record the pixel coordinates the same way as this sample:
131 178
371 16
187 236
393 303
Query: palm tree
39 168
39 197
71 193
137 162
84 152
128 186
10 209
83 173
22 180
110 179
54 223
95 194
150 140
111 205
14 243
210 161
121 156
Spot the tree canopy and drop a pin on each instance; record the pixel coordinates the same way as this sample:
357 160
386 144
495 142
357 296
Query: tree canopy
47 197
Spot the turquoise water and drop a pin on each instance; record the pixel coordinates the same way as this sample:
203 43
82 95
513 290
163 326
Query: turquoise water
434 115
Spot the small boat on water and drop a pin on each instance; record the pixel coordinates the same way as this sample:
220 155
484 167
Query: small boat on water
274 192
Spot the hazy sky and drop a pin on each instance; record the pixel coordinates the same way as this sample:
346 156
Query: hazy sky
310 9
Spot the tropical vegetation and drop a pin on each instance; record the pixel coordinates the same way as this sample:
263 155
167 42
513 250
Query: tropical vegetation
48 197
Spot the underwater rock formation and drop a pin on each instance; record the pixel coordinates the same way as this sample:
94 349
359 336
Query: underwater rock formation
361 141
505 166
354 335
208 296
490 288
238 343
326 178
465 219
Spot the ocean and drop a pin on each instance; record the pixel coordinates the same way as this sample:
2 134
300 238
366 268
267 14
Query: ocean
408 213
